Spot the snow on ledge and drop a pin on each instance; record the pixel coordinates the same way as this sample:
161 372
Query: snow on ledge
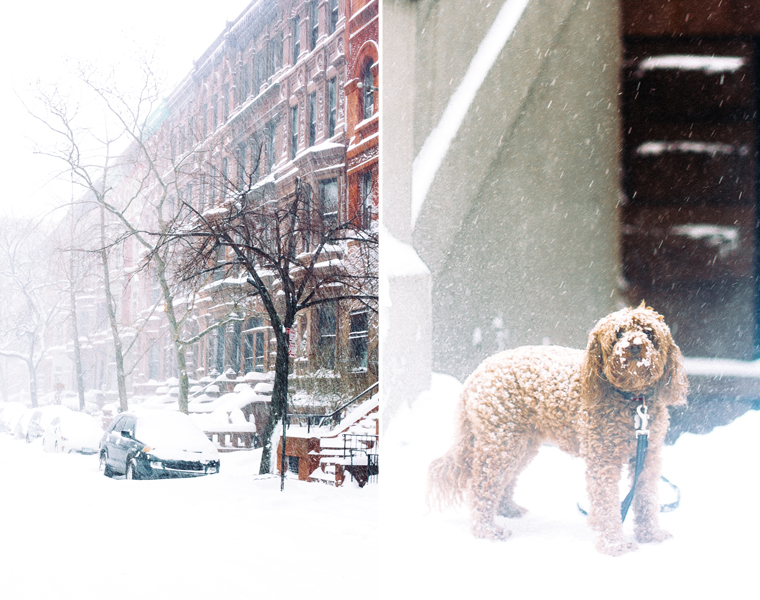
693 62
722 367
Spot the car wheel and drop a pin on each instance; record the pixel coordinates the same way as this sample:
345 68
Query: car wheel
104 465
132 470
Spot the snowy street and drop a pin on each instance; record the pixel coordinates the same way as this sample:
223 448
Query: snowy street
70 532
713 553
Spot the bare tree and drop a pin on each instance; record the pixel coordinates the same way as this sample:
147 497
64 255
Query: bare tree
29 304
295 253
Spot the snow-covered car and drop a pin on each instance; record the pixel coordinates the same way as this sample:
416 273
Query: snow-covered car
10 413
152 444
72 432
41 418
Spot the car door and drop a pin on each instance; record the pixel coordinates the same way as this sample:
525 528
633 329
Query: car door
114 446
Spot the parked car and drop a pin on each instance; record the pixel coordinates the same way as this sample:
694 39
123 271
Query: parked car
151 444
10 413
41 418
72 432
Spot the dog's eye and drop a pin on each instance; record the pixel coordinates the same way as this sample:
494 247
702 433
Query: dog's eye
619 333
650 334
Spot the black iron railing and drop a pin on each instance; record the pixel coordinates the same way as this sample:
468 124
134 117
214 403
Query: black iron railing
334 418
363 451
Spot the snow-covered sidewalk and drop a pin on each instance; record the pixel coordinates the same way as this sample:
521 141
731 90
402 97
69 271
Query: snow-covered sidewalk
551 553
69 532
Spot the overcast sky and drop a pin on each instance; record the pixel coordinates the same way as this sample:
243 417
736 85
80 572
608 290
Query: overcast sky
38 38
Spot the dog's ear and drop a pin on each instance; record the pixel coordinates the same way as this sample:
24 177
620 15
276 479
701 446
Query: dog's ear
674 385
592 376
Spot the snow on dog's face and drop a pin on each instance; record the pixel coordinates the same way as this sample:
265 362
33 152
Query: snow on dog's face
634 348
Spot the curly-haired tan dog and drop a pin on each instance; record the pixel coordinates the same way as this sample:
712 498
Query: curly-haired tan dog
584 402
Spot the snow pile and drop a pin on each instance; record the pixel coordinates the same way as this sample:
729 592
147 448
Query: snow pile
71 534
433 555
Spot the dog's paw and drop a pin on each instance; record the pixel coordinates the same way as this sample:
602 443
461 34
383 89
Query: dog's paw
511 510
616 547
648 536
489 531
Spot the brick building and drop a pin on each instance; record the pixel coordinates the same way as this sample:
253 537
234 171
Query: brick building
267 104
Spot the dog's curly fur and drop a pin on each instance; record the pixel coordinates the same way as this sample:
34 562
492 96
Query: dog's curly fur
581 401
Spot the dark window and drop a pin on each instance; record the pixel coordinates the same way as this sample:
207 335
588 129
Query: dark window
215 121
357 339
333 15
202 198
365 196
236 331
226 103
223 178
314 23
328 196
327 327
296 38
293 464
293 131
271 128
312 118
220 348
369 91
332 102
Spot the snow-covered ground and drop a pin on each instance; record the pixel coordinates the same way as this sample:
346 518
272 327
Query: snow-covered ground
551 553
68 532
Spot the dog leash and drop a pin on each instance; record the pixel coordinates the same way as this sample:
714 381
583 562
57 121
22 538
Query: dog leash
641 422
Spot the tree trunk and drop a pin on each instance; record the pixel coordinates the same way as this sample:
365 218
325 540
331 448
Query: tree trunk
77 348
278 406
110 305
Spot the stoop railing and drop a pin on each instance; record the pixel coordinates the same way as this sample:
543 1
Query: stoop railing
334 418
362 450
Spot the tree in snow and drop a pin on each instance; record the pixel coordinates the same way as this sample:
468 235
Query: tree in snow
29 299
293 253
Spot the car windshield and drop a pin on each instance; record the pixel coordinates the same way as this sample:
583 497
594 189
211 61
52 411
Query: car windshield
164 429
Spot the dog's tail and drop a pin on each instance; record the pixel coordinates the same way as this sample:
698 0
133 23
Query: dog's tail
448 476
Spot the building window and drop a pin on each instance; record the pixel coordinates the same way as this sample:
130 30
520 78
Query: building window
365 197
226 103
215 120
202 198
369 91
296 38
328 196
241 165
332 102
244 83
358 338
314 23
221 344
271 129
312 118
293 464
204 116
236 329
153 361
293 131
189 194
277 43
223 178
333 15
327 325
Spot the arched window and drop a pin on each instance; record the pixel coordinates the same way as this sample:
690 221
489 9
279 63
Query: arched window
369 90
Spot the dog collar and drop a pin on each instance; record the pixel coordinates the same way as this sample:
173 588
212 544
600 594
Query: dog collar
635 396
